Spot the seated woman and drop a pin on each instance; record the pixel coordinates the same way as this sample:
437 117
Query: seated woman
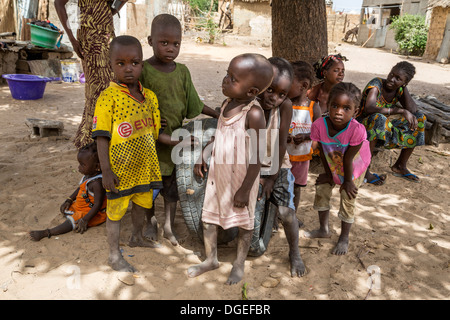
389 124
330 70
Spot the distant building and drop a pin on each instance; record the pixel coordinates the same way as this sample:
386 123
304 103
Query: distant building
376 15
438 42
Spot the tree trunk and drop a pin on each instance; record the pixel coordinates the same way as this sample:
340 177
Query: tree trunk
299 30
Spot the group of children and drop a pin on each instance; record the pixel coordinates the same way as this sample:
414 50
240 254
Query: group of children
263 96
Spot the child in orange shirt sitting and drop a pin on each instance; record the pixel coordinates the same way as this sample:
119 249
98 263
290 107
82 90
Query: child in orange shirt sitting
86 207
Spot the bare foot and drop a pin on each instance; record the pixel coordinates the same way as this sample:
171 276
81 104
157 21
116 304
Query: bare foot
118 263
168 234
341 247
316 234
297 266
151 230
139 241
201 268
37 235
236 274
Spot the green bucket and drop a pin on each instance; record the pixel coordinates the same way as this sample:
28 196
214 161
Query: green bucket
43 37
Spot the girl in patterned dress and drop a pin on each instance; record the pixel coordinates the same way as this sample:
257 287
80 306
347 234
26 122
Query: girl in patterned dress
91 44
392 120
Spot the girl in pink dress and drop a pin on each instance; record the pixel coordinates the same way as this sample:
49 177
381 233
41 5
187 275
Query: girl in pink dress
233 177
345 154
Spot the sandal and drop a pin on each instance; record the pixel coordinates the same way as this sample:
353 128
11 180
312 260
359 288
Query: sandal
378 178
406 176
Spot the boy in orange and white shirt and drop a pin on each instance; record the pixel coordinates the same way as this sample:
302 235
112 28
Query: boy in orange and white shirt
304 112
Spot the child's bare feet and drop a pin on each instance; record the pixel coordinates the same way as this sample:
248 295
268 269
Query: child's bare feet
236 274
168 234
341 247
151 230
120 264
37 235
139 241
319 233
297 266
201 268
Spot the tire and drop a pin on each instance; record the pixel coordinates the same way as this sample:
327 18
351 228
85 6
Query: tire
265 214
191 189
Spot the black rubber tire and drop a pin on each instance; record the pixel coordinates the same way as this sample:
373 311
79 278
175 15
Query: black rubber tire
192 204
265 214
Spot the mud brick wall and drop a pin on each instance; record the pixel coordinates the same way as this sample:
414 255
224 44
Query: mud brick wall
339 24
436 31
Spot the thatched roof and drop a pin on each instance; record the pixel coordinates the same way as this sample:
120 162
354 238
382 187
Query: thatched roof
254 0
439 3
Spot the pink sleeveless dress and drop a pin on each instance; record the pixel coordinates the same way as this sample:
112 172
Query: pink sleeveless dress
231 154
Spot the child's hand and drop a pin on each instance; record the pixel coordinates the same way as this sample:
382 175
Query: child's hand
65 206
201 165
289 138
324 178
299 138
163 123
350 188
81 226
110 181
267 187
199 168
193 141
241 198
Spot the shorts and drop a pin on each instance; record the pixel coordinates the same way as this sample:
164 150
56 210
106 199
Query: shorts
300 171
116 208
170 188
347 205
283 191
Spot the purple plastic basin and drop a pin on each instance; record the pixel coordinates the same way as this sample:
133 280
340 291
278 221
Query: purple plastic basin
26 86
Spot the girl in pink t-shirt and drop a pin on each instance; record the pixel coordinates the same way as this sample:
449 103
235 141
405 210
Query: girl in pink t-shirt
345 155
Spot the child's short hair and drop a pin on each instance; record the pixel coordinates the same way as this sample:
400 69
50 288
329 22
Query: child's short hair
347 88
283 66
124 41
326 62
303 71
91 149
262 70
165 20
407 68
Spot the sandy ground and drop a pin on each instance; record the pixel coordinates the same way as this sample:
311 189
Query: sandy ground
401 231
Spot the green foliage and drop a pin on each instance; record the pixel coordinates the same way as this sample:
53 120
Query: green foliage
202 6
410 33
205 21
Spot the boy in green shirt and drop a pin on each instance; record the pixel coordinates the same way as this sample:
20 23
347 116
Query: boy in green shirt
178 99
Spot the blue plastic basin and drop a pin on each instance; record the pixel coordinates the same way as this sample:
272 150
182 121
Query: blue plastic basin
26 86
